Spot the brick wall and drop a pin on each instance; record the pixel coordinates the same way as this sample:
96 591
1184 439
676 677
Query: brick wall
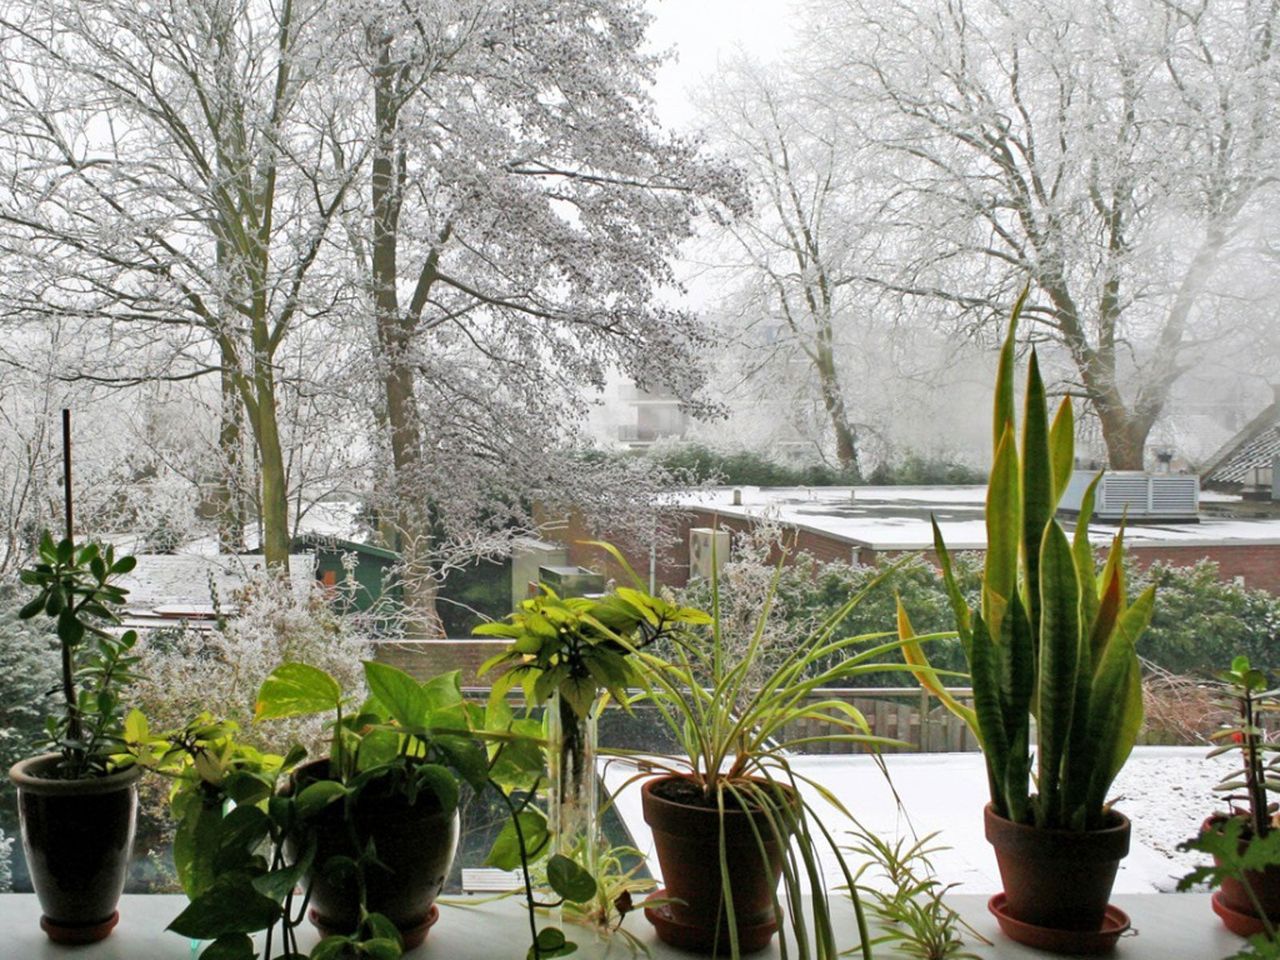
428 658
1257 564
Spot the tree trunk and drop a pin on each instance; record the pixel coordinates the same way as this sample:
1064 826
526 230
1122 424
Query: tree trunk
833 401
228 496
1125 436
274 486
395 334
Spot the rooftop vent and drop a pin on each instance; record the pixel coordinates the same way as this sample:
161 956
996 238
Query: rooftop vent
1142 496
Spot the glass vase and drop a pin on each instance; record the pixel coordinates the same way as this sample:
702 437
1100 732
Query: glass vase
573 803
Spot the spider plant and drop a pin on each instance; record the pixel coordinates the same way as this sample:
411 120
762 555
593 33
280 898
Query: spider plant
739 732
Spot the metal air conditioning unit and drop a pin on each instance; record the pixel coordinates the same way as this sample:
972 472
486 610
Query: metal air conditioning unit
1140 496
704 543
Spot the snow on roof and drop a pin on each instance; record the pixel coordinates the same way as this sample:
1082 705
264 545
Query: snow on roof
182 581
897 518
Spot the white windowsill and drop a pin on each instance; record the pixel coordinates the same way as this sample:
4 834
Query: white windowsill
1171 927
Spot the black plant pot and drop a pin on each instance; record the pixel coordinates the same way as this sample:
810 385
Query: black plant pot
77 836
415 844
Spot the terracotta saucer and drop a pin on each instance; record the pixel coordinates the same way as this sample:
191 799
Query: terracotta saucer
1242 924
409 937
689 936
1079 942
74 935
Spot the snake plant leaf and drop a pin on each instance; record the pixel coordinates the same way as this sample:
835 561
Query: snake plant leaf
1017 683
959 608
1116 716
1060 644
915 656
1082 550
1004 532
1037 486
1062 452
986 705
1002 413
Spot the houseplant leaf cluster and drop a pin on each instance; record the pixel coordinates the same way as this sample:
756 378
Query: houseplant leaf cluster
1050 639
76 587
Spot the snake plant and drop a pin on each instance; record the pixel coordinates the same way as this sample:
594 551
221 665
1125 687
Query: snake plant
1049 637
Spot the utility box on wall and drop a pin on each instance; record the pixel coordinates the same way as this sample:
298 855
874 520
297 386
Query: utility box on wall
708 550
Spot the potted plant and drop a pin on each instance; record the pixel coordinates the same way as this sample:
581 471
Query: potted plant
1245 840
571 655
77 804
729 818
1050 640
395 764
242 848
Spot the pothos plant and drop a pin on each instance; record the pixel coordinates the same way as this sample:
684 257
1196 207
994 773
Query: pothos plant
77 589
242 867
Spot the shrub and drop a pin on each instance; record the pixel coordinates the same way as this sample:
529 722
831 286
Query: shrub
1203 621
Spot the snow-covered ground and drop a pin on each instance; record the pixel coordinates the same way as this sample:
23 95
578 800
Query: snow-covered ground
1166 791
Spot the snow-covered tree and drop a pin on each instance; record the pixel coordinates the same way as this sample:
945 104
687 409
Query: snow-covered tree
168 186
1121 156
522 205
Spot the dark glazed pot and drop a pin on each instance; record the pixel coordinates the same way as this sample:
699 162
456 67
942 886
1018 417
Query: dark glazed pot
1265 884
687 838
415 842
77 836
1059 879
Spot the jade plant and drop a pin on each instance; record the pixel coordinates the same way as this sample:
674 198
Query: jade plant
77 588
1049 638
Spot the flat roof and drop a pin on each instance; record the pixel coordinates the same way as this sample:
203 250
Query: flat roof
897 518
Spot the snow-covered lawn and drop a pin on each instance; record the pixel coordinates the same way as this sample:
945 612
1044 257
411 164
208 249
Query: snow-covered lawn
1166 791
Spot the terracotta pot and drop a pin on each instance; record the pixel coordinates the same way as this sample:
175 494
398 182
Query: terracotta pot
1264 883
77 836
415 842
1060 879
687 838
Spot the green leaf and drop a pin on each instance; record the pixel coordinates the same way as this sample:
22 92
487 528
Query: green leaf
377 747
230 905
234 946
332 948
570 880
316 796
440 782
1060 654
32 608
1004 533
466 756
505 853
579 693
124 565
400 694
381 948
296 689
550 943
195 842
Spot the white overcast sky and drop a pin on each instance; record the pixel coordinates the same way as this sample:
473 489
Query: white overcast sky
704 31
